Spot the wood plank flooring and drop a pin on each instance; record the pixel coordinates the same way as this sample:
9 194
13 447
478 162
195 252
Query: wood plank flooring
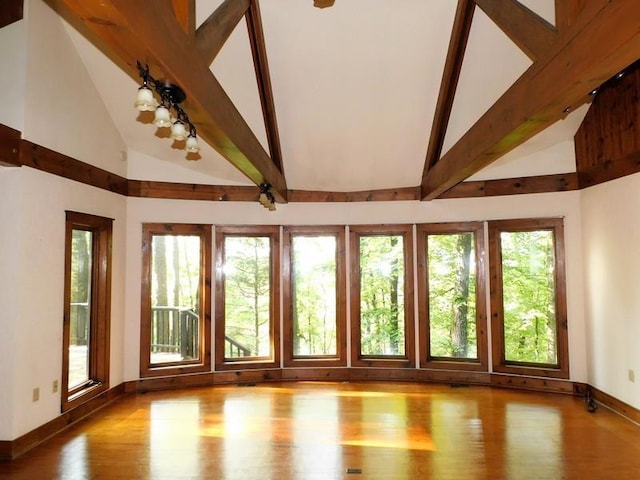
326 431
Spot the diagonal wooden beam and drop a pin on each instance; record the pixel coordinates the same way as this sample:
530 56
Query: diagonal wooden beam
10 11
532 33
449 83
585 56
259 52
214 31
567 12
185 12
133 31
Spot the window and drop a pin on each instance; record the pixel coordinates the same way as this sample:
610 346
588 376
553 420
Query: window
247 297
452 296
87 308
528 300
176 299
314 293
382 321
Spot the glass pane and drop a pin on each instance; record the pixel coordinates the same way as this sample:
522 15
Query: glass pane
452 295
314 295
175 298
382 295
80 311
247 297
528 283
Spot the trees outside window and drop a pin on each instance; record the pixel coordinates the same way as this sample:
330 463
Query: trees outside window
87 308
247 297
176 312
314 296
381 295
528 298
452 296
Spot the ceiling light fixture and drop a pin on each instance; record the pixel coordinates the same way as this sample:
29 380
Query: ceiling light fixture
266 198
171 96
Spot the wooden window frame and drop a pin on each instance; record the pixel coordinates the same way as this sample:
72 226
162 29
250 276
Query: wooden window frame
147 369
273 361
291 360
100 326
409 358
500 364
481 363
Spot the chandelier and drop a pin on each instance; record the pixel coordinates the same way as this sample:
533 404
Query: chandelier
168 112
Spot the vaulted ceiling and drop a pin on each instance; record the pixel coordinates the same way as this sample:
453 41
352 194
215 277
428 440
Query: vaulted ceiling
362 95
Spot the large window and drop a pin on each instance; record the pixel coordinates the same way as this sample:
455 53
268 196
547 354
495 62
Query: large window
382 321
87 308
528 299
247 297
176 305
314 296
452 296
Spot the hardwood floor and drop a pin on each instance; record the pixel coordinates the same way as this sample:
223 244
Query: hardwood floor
340 430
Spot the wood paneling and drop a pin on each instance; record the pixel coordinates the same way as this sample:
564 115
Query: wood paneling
608 141
10 11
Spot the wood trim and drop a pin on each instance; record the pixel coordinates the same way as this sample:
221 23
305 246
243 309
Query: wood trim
618 406
41 158
355 233
449 83
426 360
10 144
203 232
382 195
500 364
214 31
9 450
584 57
261 65
340 359
11 11
273 233
529 31
563 182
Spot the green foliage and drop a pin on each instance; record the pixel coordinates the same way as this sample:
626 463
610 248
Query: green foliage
452 295
314 295
528 273
382 320
247 293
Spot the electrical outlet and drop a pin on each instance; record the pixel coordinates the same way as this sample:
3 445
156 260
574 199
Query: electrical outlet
36 394
632 376
54 386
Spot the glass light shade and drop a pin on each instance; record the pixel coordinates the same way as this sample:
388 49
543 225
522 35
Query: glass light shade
163 117
192 144
178 132
145 101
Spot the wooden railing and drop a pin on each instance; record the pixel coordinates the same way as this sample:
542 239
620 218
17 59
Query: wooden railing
176 330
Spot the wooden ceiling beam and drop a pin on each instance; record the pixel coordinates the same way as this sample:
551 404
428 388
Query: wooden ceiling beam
10 11
185 12
259 52
585 56
567 12
450 76
529 31
214 31
133 30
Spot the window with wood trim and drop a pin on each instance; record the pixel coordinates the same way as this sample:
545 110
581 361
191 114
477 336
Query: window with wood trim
87 308
382 319
314 296
175 333
528 299
247 297
452 296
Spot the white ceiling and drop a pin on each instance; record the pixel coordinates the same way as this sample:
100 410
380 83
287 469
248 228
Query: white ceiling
355 87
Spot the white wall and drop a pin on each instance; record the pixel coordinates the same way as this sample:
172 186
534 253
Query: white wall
35 287
13 58
611 239
565 204
62 108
